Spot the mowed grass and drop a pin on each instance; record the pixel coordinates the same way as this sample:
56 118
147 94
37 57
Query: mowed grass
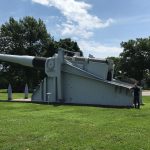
27 126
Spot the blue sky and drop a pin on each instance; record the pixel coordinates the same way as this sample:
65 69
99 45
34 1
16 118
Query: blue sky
99 26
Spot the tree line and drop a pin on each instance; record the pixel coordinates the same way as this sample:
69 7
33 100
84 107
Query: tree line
29 36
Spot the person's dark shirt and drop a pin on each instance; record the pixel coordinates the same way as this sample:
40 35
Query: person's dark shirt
136 91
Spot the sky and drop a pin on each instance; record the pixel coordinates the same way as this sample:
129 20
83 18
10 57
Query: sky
98 26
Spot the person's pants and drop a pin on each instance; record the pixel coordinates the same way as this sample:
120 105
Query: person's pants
136 102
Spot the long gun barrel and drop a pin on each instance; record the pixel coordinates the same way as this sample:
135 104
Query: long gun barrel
30 61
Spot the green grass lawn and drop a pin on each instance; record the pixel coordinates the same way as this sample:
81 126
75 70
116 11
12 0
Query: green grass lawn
26 126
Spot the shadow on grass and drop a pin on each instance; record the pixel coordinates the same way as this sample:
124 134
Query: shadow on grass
57 104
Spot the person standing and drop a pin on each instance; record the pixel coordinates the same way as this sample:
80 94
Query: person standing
136 91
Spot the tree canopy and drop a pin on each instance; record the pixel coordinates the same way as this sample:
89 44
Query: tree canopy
135 58
69 45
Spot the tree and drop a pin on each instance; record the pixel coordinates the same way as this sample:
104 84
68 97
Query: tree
27 36
69 45
135 58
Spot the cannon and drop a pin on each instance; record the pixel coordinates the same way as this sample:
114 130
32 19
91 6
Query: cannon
76 80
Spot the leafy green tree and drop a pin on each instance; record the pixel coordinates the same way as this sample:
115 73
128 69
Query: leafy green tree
27 36
69 45
135 58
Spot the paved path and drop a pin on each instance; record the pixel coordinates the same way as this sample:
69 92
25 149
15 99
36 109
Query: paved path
146 92
24 100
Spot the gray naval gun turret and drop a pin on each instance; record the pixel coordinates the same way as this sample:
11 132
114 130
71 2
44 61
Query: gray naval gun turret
76 80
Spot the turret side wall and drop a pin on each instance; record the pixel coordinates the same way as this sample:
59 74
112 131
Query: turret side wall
82 90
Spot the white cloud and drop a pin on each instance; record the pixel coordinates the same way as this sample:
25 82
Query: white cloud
98 50
80 25
79 21
43 2
74 31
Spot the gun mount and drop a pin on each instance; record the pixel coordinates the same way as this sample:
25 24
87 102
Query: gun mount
76 80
